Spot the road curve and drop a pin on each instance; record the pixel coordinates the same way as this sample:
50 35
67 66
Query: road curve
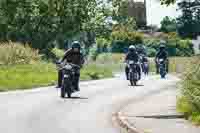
90 111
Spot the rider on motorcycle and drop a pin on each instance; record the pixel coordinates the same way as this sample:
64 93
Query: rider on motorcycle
144 60
141 50
132 55
161 54
74 56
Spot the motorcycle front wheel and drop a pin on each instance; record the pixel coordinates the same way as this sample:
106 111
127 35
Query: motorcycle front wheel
66 88
62 93
133 83
162 73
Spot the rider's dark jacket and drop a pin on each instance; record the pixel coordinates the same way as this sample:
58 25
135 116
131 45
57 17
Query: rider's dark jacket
73 57
162 54
132 56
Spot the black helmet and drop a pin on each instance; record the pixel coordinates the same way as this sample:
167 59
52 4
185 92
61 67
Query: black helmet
76 44
162 45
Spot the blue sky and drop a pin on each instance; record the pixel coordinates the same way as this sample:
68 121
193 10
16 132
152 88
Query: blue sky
156 12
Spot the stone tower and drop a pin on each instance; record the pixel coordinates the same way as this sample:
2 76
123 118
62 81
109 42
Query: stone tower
137 9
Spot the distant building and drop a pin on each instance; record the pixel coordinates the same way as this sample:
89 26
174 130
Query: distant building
196 45
137 9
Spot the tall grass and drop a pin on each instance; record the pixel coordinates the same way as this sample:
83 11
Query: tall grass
189 100
22 68
16 53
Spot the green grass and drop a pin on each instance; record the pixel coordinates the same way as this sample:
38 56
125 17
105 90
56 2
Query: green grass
27 76
176 64
40 74
93 71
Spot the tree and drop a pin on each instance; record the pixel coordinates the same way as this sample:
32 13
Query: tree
41 22
189 22
168 25
121 18
167 2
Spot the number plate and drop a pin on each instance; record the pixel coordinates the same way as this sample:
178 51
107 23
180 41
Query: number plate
66 76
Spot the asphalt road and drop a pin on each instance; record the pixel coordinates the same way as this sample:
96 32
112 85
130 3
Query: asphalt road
90 111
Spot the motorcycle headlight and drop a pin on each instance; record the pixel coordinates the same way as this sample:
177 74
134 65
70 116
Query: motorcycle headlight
131 62
68 67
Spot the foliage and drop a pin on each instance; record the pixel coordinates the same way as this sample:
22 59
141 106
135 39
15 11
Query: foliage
189 99
41 23
122 39
113 60
167 2
168 25
16 53
175 45
189 21
151 52
59 53
93 53
128 25
120 10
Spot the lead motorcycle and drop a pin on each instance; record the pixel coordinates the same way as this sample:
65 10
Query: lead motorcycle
69 70
133 73
162 68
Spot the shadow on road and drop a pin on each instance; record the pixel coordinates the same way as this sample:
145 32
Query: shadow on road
136 85
76 97
163 116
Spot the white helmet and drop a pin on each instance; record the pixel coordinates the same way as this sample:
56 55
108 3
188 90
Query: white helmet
131 48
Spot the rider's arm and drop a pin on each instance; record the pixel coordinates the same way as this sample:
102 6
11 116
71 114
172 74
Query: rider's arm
166 54
66 55
126 57
82 60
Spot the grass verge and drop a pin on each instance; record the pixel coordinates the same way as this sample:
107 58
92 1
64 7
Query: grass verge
27 76
41 74
189 100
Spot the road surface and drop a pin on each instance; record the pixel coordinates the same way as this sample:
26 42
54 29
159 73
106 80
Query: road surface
90 111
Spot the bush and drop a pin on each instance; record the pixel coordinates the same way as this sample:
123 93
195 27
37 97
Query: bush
175 45
16 53
151 52
59 53
122 39
103 45
93 53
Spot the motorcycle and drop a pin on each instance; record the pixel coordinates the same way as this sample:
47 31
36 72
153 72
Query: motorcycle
144 65
162 68
69 70
145 68
133 73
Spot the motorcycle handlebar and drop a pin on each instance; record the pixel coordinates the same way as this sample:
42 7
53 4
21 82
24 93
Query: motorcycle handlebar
61 65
